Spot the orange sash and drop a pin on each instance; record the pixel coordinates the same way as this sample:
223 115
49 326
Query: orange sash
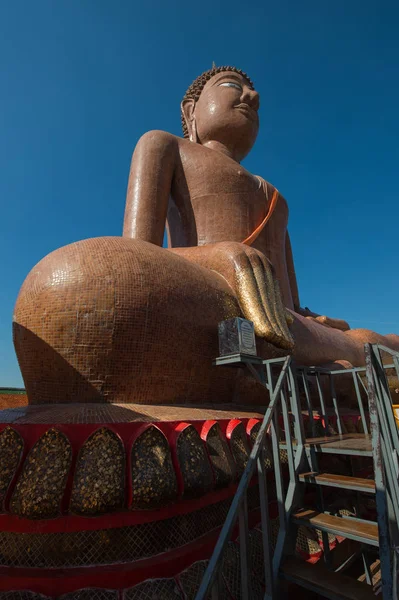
250 239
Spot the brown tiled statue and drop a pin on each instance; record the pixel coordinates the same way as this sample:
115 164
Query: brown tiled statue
102 495
123 319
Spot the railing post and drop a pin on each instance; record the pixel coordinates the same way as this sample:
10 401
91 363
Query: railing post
296 410
335 403
265 519
308 402
275 440
239 498
322 403
385 397
360 402
379 477
288 440
244 549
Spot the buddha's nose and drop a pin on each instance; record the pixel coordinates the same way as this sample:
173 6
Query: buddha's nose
250 97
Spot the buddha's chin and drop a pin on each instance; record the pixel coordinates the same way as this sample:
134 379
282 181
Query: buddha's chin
245 127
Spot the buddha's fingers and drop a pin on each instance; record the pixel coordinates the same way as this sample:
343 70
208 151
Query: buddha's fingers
282 312
257 298
251 301
272 301
264 281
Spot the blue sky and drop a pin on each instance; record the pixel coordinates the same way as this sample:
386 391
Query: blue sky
81 81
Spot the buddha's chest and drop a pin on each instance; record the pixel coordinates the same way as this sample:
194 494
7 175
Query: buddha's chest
225 200
206 172
218 199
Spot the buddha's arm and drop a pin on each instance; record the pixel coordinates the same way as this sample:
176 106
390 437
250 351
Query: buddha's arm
149 186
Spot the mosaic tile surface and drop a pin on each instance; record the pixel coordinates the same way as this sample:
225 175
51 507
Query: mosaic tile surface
122 413
110 318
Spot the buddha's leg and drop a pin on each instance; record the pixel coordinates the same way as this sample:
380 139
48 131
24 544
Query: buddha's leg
316 344
121 320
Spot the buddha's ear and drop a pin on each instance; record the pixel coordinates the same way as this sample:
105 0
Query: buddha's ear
187 108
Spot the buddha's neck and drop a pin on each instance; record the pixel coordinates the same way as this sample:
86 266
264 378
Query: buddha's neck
219 147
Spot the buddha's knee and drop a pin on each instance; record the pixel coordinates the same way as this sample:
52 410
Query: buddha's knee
113 319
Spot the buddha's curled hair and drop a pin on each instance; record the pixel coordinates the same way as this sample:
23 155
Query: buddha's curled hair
195 89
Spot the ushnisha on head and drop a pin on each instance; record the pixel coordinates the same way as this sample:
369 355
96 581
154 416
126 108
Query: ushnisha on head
221 106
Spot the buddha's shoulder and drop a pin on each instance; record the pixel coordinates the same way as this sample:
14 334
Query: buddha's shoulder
158 139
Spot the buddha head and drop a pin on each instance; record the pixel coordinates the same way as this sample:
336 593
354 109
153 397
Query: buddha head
222 105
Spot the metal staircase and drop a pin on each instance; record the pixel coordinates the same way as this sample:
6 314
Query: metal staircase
379 440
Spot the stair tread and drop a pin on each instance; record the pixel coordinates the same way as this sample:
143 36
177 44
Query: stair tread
344 481
327 583
341 526
355 442
350 441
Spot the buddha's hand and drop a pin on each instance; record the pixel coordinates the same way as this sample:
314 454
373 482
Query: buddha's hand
251 276
324 320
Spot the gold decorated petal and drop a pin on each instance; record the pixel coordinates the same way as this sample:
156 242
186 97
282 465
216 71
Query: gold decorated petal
100 473
220 457
153 477
239 448
193 462
40 487
11 446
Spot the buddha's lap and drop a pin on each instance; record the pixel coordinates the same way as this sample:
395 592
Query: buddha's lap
123 320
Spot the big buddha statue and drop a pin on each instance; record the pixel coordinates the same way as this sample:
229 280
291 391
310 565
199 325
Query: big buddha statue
123 319
116 478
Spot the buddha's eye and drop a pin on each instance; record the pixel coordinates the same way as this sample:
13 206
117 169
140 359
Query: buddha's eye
231 84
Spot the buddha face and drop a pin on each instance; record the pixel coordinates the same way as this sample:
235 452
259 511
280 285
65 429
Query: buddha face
226 112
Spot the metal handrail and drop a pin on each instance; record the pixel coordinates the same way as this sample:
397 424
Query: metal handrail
238 508
385 442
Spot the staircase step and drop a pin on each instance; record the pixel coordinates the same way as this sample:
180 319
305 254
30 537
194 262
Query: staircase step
361 531
358 484
328 584
354 444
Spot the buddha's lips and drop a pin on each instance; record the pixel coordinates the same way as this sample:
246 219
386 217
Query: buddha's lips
251 112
